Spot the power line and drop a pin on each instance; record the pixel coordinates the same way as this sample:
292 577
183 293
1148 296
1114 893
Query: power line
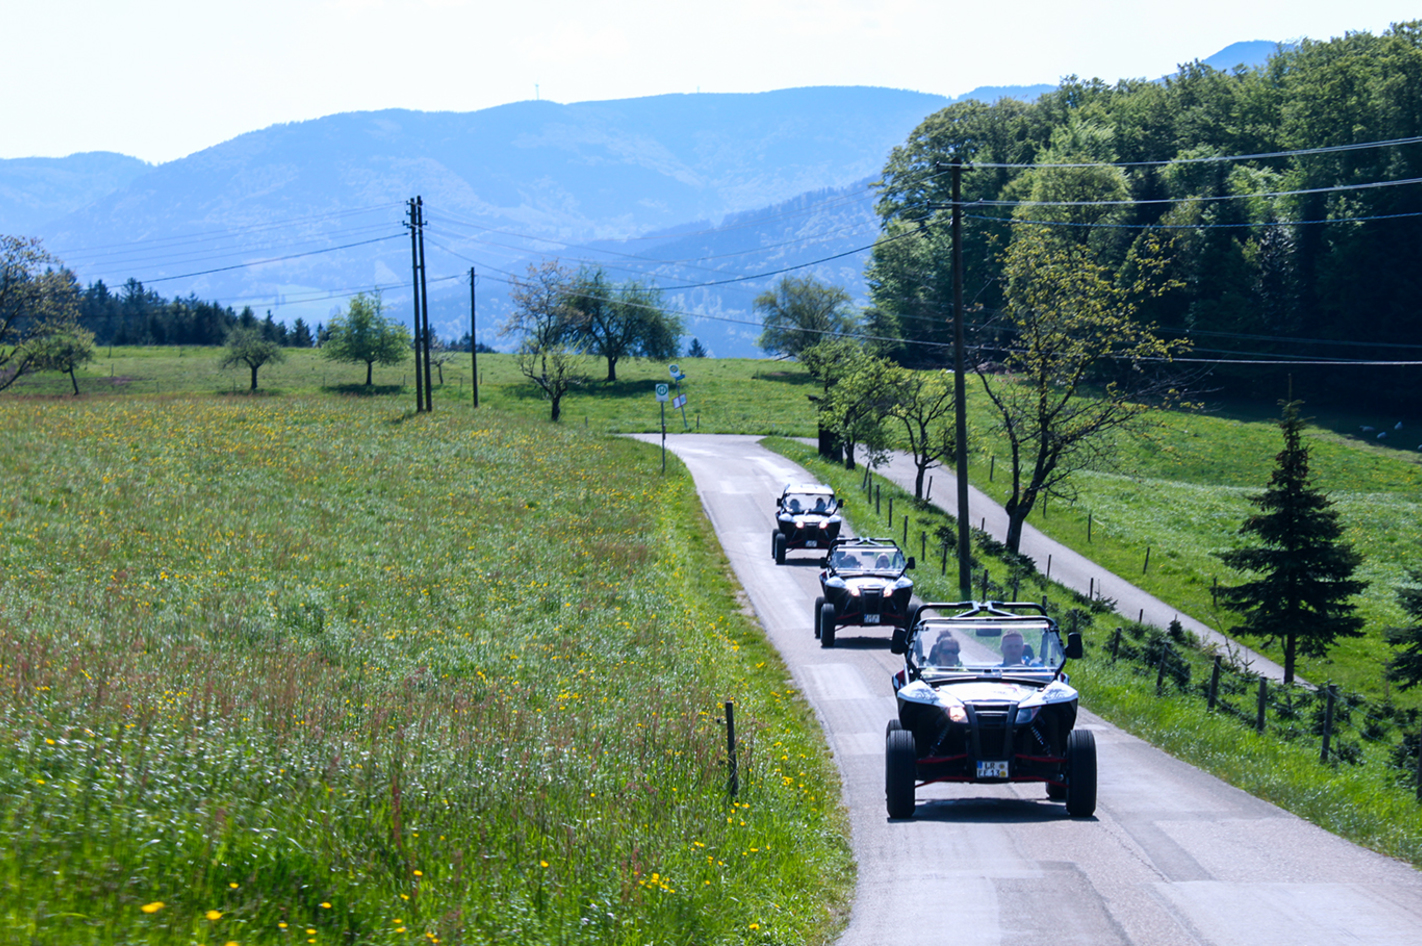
275 259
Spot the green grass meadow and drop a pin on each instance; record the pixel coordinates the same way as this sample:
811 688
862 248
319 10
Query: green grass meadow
315 669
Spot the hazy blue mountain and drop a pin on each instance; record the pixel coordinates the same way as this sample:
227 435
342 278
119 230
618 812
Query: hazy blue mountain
34 191
1249 54
295 217
499 185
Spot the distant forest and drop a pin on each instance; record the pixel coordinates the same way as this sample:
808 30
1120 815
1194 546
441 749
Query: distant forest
1287 236
136 315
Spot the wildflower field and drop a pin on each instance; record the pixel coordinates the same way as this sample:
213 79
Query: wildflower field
314 669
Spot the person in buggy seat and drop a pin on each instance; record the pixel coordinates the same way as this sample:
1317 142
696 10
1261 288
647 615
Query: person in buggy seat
820 504
794 505
883 562
1015 652
945 651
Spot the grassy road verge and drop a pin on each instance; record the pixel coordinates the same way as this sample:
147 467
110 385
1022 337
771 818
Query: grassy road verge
309 669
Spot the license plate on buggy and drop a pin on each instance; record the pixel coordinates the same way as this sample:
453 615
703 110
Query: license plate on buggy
871 619
992 769
812 543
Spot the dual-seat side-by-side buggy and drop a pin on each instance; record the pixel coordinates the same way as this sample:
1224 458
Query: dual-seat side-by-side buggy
982 697
862 583
806 517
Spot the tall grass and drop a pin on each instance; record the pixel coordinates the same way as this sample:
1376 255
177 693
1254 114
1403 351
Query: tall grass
281 668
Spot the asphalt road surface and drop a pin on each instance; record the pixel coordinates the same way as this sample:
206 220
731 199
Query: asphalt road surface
1172 856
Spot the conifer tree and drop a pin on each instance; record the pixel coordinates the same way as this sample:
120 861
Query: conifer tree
1304 571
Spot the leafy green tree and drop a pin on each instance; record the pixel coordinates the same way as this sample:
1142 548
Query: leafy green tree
1064 323
363 334
64 347
857 410
1305 570
922 402
616 321
541 318
301 335
828 361
802 311
1405 667
251 347
35 291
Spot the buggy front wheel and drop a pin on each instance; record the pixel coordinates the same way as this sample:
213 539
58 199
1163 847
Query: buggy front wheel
1081 774
900 772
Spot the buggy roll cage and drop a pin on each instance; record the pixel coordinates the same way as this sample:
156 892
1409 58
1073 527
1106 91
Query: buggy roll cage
1005 612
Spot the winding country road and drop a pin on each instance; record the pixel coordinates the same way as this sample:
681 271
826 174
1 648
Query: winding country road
1173 856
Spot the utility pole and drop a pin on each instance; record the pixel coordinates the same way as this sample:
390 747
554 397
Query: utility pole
424 346
960 397
473 338
965 580
415 285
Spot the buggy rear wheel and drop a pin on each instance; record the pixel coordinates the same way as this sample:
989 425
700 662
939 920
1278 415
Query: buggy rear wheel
778 544
900 772
1081 774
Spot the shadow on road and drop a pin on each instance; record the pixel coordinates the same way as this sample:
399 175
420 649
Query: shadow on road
986 810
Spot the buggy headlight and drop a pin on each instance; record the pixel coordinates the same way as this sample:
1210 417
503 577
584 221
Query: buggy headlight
1025 714
904 583
956 711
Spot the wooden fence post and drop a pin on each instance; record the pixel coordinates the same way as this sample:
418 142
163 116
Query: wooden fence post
1263 703
1146 567
878 492
1327 723
1115 644
891 512
1215 683
733 775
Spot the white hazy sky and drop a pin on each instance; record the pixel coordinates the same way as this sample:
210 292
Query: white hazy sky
160 79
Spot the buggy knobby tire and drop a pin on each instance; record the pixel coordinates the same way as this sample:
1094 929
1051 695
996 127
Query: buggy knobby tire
827 619
1081 774
778 543
819 606
900 772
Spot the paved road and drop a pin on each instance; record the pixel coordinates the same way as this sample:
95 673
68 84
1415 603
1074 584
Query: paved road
1173 856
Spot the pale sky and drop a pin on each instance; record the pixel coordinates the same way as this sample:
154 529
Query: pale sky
160 79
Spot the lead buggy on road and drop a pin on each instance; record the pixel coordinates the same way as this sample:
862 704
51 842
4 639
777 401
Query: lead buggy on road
982 698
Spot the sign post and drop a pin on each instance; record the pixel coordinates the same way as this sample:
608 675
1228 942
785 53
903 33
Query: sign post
663 393
680 401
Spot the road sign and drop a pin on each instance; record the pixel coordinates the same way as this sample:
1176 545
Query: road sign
676 373
662 390
679 401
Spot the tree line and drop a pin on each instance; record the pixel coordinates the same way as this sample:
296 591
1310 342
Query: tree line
1291 254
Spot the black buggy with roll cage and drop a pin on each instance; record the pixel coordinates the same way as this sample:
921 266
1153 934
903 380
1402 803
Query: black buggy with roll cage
982 697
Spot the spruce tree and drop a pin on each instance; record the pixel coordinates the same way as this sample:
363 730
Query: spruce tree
1304 570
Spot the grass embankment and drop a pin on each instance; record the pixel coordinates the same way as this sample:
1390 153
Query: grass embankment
1367 800
309 669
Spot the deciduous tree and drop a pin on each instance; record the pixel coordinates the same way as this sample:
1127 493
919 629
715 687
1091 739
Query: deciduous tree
363 334
1301 595
35 292
802 311
251 347
619 320
541 318
63 347
1064 325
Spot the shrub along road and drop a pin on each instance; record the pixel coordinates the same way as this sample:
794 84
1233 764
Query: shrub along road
1172 856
